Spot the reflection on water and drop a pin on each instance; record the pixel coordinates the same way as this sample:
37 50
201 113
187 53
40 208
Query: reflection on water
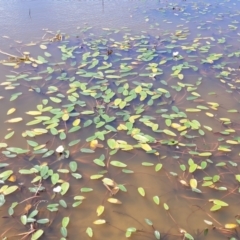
144 98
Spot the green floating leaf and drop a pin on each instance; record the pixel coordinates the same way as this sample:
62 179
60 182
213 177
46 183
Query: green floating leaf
32 143
158 167
166 207
118 164
237 177
77 175
9 135
111 143
219 202
63 203
48 154
10 190
2 200
64 232
205 154
73 166
89 232
99 162
65 221
188 236
86 190
147 164
215 208
141 191
156 199
55 178
65 186
24 219
74 142
37 234
43 221
192 168
86 150
170 133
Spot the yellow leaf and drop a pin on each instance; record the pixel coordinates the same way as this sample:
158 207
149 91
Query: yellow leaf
182 128
76 122
65 116
183 182
100 210
225 119
99 221
10 111
108 182
138 89
232 142
28 207
175 125
121 127
114 200
132 118
193 183
209 114
180 76
40 130
14 120
231 225
146 147
33 113
93 144
195 94
154 70
12 178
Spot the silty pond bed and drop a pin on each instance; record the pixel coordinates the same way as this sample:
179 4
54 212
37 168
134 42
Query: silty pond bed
115 133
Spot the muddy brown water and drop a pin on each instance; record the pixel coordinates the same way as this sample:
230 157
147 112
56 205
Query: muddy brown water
206 22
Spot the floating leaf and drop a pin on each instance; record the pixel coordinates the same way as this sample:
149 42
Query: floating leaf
99 221
65 186
218 202
141 191
11 110
231 225
193 183
24 219
166 207
146 147
86 190
170 133
65 221
43 221
14 120
192 168
156 200
215 208
157 234
10 190
9 135
205 154
100 210
118 164
89 232
158 167
111 143
149 222
36 235
114 200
